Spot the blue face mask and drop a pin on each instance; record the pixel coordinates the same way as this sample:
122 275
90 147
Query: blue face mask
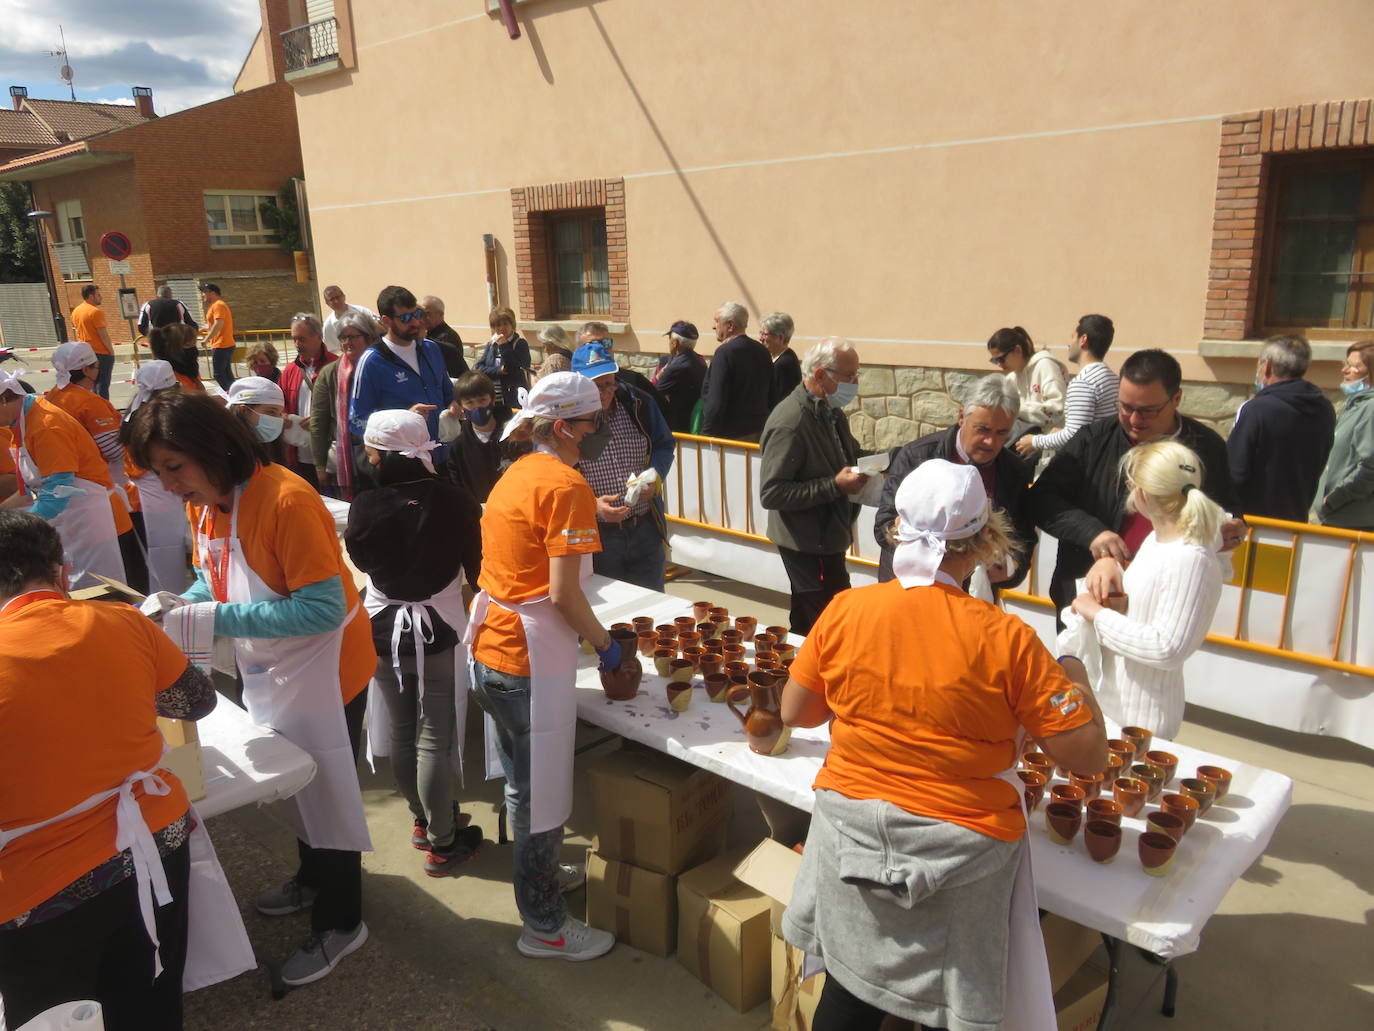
1358 387
479 415
844 393
268 428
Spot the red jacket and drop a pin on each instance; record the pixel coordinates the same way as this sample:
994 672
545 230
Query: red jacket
294 374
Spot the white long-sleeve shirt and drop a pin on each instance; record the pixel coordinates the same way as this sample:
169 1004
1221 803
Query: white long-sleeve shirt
1173 591
1091 396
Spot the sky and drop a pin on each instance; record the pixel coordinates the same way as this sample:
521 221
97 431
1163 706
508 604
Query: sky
188 51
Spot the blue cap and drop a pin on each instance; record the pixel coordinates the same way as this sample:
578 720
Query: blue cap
594 359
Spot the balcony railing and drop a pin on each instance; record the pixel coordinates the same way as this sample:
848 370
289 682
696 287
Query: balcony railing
308 45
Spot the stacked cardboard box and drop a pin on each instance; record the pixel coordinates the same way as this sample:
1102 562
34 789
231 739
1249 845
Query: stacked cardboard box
655 817
723 933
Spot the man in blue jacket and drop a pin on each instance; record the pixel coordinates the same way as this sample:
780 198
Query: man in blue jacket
402 370
633 436
1278 447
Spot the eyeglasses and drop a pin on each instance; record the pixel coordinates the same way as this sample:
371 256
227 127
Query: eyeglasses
1000 359
409 316
852 377
599 419
351 336
1149 412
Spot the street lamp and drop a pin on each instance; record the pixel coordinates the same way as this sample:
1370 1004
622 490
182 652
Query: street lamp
59 324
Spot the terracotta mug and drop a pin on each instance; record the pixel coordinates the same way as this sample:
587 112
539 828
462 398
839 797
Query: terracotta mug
1063 819
1205 791
679 695
1157 852
662 658
747 626
666 630
764 641
707 630
1130 792
1166 761
681 670
1105 809
699 611
686 637
717 686
1102 839
1068 793
1139 738
1039 762
647 643
1091 783
627 627
785 650
715 648
1122 747
1151 775
718 614
684 623
666 642
693 654
1166 823
732 637
1185 807
1218 776
1115 765
710 663
642 623
733 653
779 632
735 669
1034 787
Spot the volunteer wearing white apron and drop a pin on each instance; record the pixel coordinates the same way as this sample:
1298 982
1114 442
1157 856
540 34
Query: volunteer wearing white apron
537 531
414 535
268 560
915 837
94 854
164 514
75 374
63 479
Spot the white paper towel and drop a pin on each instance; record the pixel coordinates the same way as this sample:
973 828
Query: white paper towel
81 1015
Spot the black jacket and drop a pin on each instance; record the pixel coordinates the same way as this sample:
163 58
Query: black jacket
805 443
679 388
477 464
163 311
786 376
451 344
1081 493
738 385
1278 449
1012 484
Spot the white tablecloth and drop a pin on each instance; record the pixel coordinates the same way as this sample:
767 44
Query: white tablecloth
245 763
1163 914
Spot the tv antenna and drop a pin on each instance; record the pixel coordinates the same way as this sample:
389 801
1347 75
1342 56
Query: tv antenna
65 70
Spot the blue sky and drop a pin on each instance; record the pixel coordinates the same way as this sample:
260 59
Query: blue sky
188 51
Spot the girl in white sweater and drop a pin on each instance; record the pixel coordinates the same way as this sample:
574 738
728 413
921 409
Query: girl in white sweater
1036 376
1171 589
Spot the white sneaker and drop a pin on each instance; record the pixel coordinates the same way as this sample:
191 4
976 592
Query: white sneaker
574 941
571 876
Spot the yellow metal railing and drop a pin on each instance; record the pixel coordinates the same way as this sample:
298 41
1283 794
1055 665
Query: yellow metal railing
1259 566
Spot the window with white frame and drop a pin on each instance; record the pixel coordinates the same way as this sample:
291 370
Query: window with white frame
234 218
70 242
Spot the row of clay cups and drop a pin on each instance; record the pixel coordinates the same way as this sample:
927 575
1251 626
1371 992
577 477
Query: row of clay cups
718 686
1100 819
1149 777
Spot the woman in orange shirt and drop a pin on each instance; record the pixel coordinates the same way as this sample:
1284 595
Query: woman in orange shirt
270 573
917 830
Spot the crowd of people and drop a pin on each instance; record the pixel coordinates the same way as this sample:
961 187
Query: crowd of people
509 481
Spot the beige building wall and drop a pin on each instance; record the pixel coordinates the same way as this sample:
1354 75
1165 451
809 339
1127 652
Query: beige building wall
911 175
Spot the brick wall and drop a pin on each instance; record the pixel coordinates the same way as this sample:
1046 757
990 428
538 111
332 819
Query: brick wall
262 299
1249 142
530 205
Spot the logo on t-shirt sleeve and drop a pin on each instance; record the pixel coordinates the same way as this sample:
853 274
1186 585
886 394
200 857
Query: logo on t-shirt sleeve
575 536
1067 702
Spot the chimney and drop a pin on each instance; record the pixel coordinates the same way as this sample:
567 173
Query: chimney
143 101
17 96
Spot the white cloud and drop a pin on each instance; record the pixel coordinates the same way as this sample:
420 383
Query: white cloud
187 51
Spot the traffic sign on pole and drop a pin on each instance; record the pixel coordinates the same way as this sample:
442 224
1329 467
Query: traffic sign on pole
116 246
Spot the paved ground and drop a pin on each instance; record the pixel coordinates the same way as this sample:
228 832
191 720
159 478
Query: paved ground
1292 947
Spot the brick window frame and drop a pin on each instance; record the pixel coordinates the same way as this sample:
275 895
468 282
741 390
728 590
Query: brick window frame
530 205
1249 144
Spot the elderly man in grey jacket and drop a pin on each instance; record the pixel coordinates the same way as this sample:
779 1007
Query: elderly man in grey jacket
808 478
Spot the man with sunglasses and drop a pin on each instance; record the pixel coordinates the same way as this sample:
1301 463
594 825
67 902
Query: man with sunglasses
402 370
1080 497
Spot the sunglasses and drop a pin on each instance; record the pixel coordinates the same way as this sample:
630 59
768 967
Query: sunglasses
409 316
999 359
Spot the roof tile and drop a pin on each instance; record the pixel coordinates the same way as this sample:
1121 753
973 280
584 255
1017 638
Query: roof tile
76 120
22 129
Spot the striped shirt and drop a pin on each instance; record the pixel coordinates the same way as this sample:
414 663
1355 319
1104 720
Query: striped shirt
627 454
1091 396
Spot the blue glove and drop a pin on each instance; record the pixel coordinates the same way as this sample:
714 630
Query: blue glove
610 656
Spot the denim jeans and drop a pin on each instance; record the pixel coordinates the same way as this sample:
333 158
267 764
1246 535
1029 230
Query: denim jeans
506 699
634 555
422 738
102 381
222 361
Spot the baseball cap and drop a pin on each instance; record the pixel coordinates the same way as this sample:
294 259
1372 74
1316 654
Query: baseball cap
594 359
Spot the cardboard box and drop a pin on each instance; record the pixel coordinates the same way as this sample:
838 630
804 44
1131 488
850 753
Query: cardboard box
1067 947
1078 1004
656 812
793 1000
638 906
723 932
183 756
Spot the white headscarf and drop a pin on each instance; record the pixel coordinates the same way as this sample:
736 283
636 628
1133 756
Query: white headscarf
10 382
402 431
68 357
255 390
937 502
152 376
559 395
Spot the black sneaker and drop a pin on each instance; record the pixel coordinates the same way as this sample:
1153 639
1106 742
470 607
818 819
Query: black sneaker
419 834
440 862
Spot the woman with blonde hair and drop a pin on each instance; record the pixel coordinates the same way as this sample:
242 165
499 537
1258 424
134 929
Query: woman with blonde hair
1171 590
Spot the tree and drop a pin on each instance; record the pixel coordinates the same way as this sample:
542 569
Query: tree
284 216
19 260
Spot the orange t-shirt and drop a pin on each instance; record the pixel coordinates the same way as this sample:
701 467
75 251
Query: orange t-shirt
78 682
87 407
929 688
539 508
289 540
187 383
225 336
6 459
87 318
57 443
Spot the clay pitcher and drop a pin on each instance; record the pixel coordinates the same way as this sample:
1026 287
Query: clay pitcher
622 682
763 721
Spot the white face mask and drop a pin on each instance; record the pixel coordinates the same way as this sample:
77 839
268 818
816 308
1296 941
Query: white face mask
844 393
268 428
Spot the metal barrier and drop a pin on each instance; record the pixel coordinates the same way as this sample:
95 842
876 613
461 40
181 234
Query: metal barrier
307 45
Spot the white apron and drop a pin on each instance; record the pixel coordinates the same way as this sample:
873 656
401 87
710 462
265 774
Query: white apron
164 521
217 946
291 685
86 525
412 618
552 647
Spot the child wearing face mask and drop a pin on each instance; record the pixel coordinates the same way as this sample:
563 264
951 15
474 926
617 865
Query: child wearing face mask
261 406
478 456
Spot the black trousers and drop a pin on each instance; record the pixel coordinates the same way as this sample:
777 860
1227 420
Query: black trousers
815 579
100 950
840 1010
337 875
131 551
